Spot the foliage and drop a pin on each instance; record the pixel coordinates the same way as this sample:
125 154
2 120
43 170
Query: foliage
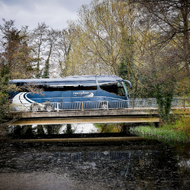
144 41
127 68
162 42
23 130
50 40
177 130
171 18
36 130
52 129
3 98
167 132
159 78
160 71
40 130
69 129
108 128
183 121
183 87
15 55
63 48
46 72
100 33
164 100
38 37
15 61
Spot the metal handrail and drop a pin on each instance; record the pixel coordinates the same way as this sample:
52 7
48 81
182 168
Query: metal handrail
97 105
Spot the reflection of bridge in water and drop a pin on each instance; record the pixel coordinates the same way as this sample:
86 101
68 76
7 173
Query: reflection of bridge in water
138 111
106 155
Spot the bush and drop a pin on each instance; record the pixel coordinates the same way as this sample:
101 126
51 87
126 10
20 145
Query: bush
183 122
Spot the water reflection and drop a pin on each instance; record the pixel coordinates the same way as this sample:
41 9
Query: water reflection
150 165
133 165
31 130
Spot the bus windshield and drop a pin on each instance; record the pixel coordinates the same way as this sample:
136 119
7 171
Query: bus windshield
126 91
112 87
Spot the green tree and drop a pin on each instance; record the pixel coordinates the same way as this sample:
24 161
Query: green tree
163 28
160 74
15 60
101 31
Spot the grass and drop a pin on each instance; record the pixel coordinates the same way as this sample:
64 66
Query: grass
165 132
108 128
177 130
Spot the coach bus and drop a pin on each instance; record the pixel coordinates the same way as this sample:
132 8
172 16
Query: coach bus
69 92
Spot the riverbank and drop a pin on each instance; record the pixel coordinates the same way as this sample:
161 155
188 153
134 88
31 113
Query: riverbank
165 133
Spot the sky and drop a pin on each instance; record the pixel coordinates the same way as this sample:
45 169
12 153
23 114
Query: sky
55 13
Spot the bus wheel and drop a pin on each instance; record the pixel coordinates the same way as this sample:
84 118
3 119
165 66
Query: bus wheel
104 105
49 107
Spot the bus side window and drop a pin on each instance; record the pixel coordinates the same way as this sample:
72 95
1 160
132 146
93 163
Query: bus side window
88 85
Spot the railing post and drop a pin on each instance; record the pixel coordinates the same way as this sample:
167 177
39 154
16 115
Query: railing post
57 107
82 106
107 105
32 107
133 104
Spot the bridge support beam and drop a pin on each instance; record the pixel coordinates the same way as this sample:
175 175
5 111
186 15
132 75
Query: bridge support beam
71 120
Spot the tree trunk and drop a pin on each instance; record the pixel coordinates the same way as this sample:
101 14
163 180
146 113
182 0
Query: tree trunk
184 12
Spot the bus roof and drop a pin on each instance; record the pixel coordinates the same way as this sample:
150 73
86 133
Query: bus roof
70 78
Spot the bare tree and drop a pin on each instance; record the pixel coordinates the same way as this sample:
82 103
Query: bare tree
63 48
50 41
171 18
160 73
39 39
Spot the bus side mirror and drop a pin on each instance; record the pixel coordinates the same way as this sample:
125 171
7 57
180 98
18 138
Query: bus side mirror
128 83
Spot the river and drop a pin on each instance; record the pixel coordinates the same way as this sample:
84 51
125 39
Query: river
146 164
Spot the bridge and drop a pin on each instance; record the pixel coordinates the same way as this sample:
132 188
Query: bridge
133 111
